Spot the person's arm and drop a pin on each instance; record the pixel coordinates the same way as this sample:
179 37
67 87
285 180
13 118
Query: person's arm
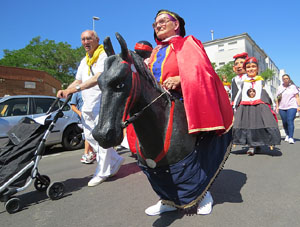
298 101
74 108
277 106
83 85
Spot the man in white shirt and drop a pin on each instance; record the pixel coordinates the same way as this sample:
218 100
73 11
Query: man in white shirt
90 68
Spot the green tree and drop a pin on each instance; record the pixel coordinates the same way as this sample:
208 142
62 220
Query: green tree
226 70
267 74
57 59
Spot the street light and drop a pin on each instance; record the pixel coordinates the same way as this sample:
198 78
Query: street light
95 18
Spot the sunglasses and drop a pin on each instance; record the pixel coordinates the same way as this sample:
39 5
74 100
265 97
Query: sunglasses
160 22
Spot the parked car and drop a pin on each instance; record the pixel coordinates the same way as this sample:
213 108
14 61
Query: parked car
66 131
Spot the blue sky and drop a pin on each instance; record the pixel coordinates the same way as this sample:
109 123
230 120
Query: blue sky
273 25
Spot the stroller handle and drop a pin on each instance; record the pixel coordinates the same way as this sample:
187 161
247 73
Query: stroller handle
56 101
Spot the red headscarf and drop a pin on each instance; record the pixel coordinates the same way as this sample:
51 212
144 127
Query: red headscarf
250 60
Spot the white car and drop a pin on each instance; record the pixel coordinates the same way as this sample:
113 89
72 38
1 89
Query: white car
66 131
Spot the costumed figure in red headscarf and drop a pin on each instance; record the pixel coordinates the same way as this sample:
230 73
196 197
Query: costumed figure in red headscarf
240 72
255 123
181 65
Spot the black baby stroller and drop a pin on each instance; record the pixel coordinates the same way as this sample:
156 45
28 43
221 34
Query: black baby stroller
20 157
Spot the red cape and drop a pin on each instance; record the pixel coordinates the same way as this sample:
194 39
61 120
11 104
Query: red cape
205 99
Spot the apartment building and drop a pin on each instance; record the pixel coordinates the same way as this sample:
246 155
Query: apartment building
221 51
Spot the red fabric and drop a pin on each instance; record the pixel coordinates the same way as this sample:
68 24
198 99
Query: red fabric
205 99
140 46
132 139
167 142
255 102
241 55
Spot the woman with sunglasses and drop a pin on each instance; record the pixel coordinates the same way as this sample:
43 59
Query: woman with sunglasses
287 106
181 65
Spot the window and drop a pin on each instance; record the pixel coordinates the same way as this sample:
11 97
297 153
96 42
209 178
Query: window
30 85
14 107
221 47
42 105
232 43
221 63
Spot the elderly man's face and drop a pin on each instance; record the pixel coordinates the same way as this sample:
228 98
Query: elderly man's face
164 27
89 42
238 66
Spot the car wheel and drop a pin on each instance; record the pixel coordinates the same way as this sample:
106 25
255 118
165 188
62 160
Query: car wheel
72 138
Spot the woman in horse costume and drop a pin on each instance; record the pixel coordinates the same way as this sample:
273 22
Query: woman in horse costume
184 138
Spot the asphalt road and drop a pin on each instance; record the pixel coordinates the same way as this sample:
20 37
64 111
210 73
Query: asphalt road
262 190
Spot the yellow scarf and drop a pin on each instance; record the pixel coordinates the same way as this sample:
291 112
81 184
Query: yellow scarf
91 61
256 78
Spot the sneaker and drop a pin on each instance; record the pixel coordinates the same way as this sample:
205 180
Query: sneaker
117 166
159 208
205 206
83 158
96 180
90 158
250 151
291 141
286 139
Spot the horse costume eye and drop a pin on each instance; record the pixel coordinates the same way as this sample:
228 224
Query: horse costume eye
119 86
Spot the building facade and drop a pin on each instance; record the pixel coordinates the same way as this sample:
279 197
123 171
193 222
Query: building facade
20 81
221 52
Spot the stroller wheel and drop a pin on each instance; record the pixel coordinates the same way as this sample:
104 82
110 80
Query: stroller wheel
56 190
13 205
41 183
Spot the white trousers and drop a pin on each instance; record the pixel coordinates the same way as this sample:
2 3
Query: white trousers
106 158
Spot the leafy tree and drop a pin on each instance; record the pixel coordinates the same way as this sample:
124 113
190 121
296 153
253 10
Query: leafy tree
57 59
226 70
267 74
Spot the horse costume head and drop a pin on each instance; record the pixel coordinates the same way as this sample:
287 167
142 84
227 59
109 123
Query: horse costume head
120 84
130 90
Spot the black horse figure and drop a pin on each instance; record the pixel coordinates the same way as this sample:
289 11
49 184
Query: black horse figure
180 166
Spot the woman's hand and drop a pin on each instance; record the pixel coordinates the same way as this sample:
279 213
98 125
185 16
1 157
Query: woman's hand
172 83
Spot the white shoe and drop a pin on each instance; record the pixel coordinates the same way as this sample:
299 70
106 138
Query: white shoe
250 151
117 166
159 208
291 141
205 206
96 180
286 139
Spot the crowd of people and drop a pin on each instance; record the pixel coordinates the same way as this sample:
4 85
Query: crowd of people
255 123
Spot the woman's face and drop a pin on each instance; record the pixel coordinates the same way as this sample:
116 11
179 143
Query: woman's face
285 80
251 93
164 27
252 69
